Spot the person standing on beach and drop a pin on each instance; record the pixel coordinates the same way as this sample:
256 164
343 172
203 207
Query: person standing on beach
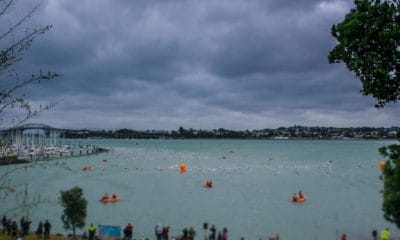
185 233
4 223
385 234
92 231
47 228
224 234
158 231
374 235
14 229
165 232
22 223
9 225
26 226
39 230
213 230
128 231
191 233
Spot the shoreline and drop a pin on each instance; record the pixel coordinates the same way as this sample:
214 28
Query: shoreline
82 234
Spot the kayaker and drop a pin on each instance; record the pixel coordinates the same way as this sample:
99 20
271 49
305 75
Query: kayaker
209 183
294 198
105 197
301 195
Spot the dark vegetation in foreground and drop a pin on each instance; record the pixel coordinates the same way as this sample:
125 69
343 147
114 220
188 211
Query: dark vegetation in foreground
295 132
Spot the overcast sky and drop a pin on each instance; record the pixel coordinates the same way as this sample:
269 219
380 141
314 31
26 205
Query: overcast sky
198 64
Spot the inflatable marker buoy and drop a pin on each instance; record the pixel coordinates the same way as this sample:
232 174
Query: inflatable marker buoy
182 167
382 164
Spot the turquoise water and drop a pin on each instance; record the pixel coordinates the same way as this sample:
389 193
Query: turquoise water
253 180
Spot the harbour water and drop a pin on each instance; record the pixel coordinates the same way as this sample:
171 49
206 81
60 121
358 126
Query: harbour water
253 182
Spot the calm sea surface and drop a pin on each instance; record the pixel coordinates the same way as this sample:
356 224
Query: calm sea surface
253 180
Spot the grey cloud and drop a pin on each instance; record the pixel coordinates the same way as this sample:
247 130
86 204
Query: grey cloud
176 63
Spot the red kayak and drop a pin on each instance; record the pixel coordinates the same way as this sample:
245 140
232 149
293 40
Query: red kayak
304 198
114 198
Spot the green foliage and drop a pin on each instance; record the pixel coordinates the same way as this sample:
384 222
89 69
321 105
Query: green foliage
9 158
13 46
391 184
75 205
369 44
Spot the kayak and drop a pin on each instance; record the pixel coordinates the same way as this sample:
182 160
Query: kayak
303 199
110 199
87 168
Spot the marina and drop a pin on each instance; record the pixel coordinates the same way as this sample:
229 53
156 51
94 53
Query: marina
37 142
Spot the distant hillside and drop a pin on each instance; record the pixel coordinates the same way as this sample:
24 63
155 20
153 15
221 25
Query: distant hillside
295 132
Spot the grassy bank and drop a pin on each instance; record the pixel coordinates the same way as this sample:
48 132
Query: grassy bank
31 236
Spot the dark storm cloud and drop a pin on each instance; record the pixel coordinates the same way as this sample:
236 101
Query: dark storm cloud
162 64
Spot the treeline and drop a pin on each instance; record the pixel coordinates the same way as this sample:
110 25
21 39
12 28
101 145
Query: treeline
295 132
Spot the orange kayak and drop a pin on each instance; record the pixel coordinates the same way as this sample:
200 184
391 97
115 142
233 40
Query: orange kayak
110 199
304 198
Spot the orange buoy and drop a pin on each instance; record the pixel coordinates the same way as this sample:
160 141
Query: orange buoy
182 167
382 164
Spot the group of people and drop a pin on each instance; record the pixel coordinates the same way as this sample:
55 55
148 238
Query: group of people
162 232
296 198
11 228
43 230
384 235
220 236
